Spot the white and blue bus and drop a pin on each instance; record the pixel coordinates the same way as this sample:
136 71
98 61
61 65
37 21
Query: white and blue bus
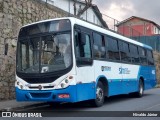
70 60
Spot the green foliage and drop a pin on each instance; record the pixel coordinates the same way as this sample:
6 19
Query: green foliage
158 59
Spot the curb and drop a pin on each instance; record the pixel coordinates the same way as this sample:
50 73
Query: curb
24 107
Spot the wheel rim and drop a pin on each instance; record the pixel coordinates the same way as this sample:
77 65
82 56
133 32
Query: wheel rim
141 89
99 94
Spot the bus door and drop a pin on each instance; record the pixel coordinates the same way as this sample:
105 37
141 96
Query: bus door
84 68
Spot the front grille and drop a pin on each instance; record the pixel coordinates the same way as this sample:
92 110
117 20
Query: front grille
41 95
48 87
37 87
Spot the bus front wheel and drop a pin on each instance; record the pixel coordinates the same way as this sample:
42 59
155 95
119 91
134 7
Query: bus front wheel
99 95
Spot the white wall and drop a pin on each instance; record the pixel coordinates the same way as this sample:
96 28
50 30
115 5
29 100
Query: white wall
67 5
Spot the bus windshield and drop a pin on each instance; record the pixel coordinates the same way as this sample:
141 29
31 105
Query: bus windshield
44 47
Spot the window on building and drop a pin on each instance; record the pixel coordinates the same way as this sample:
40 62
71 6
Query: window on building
124 51
94 18
97 22
134 53
112 48
99 46
155 30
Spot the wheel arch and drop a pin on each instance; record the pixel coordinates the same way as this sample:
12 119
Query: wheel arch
104 81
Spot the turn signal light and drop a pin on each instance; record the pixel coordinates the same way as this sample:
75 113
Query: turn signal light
17 83
21 86
70 77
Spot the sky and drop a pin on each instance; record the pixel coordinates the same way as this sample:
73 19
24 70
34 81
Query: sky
123 9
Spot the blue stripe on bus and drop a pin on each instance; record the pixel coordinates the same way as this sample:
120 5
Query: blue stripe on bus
46 95
87 91
149 78
125 86
79 92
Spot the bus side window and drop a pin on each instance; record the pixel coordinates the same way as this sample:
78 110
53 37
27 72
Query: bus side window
112 49
134 53
87 47
76 37
142 55
82 50
150 57
99 46
124 51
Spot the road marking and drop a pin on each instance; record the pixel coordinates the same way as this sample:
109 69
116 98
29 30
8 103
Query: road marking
152 107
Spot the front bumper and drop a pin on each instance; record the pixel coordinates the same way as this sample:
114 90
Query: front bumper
46 95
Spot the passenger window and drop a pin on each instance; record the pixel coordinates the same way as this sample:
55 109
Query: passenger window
76 37
99 46
134 53
124 51
112 49
87 47
150 57
82 49
142 55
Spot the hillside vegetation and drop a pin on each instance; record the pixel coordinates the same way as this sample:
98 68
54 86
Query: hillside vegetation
157 62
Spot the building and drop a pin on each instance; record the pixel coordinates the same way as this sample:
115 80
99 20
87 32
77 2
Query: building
141 30
136 26
91 14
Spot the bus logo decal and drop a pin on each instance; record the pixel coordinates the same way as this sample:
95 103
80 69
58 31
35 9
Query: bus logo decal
124 70
106 68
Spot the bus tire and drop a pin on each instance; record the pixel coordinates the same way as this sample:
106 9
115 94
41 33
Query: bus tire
99 95
140 92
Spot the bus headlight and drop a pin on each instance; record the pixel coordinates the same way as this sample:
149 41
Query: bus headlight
65 83
62 85
17 82
19 85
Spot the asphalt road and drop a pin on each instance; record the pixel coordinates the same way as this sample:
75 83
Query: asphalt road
149 102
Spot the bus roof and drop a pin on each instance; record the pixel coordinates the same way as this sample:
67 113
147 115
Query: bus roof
95 28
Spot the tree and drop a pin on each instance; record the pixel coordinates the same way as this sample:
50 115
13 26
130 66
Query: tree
88 4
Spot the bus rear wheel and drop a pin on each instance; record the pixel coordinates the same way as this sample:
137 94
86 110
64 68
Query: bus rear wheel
140 90
99 95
